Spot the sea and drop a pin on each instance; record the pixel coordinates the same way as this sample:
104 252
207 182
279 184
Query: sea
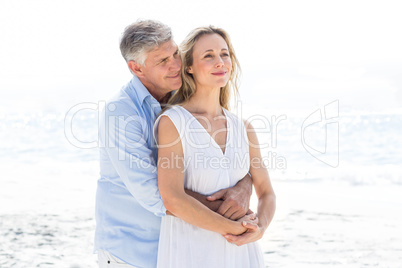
337 175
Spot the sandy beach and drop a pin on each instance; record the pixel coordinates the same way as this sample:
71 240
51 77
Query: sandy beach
332 225
317 224
347 216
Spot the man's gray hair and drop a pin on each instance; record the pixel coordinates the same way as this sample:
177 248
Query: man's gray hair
142 37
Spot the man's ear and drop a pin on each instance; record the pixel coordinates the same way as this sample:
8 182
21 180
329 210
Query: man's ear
135 68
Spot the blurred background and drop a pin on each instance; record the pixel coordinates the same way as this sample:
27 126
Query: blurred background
322 82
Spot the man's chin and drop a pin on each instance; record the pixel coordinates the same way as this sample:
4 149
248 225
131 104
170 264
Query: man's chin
176 86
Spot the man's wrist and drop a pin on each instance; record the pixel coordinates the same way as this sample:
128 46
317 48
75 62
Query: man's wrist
212 205
246 184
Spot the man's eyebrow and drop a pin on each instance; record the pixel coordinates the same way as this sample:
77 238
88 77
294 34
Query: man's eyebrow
159 59
165 58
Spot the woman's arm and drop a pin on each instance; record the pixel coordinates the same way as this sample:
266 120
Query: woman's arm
264 191
171 185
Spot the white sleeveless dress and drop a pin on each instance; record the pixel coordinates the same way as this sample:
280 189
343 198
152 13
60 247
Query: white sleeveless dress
207 170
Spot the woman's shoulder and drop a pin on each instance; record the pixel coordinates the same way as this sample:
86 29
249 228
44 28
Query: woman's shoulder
172 117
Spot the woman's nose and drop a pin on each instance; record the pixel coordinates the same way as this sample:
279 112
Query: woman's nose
219 62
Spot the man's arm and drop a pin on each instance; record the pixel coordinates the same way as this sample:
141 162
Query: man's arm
124 141
212 205
232 203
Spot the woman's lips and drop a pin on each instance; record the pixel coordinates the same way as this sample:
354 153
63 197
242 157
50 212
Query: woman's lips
219 73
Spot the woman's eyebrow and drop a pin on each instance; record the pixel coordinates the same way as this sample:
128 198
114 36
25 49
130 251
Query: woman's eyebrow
209 50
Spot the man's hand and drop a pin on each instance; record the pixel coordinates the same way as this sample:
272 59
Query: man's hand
212 205
236 199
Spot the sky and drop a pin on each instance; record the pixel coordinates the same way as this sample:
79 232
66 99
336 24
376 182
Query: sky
294 54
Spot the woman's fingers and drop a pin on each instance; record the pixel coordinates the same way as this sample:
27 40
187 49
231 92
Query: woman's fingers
250 225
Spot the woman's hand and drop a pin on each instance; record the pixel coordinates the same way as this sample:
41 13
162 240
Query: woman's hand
253 233
249 219
241 225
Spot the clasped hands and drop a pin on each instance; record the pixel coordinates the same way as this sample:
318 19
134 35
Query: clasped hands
236 207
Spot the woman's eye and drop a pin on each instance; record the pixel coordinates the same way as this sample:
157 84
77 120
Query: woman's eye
208 56
225 55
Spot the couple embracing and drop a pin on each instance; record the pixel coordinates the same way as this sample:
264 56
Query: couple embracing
177 168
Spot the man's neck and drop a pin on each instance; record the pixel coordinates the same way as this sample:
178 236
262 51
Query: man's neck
165 99
156 93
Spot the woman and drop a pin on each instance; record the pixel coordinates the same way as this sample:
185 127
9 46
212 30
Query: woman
203 147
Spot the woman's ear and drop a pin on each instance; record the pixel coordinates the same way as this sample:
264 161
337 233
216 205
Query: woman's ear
189 70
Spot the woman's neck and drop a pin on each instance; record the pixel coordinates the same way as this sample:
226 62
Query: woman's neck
205 101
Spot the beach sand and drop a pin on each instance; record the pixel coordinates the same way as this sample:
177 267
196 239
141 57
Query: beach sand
321 224
317 224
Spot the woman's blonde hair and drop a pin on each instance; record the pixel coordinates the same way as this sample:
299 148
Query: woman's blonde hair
187 89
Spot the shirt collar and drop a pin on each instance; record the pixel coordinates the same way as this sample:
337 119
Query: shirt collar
140 89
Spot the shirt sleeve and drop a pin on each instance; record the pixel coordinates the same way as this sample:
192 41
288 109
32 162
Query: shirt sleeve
126 144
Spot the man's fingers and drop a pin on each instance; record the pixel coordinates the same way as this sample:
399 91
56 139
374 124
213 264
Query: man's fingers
237 215
223 209
218 195
225 206
229 213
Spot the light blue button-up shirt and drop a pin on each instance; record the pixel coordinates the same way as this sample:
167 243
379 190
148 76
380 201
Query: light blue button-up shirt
128 204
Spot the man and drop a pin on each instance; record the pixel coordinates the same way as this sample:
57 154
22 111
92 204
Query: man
128 204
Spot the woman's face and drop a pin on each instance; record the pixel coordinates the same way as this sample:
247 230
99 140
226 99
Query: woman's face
211 62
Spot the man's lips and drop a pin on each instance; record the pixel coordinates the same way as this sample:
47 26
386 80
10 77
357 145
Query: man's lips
174 76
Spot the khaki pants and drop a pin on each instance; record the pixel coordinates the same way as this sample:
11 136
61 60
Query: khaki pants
107 260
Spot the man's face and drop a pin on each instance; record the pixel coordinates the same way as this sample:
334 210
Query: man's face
161 73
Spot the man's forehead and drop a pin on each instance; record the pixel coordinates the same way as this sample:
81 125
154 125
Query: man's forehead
163 50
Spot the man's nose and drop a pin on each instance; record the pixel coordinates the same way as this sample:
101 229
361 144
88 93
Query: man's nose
176 64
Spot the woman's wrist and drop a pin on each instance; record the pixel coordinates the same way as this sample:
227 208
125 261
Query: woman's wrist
233 228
